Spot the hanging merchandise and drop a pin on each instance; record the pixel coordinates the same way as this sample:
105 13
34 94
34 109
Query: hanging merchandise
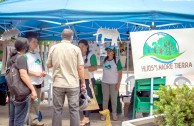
109 34
8 34
9 49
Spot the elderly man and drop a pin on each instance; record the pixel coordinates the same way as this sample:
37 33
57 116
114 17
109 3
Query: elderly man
68 67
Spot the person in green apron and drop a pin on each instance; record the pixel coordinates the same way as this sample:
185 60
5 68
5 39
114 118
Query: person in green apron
111 80
90 63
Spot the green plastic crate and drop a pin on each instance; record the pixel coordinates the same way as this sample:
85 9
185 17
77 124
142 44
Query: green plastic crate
145 84
143 104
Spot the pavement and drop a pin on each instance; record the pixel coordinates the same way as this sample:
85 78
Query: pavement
94 117
47 110
47 116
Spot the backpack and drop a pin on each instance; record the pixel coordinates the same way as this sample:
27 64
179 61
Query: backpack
14 82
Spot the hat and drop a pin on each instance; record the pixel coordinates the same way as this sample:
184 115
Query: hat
84 99
111 48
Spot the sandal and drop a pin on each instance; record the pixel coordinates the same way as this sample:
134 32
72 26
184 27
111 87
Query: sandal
84 123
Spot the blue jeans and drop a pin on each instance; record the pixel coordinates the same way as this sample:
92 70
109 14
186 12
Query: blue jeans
18 111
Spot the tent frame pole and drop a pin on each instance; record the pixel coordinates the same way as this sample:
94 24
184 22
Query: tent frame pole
127 86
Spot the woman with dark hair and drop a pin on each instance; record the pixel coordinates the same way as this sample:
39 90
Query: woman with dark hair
90 63
19 106
111 79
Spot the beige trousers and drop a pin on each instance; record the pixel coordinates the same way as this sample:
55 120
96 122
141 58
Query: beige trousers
108 91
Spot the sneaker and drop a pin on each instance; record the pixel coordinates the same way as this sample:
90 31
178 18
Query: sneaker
114 117
103 118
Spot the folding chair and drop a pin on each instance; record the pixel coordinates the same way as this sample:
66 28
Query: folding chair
48 87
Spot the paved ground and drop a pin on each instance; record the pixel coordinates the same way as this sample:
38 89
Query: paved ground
47 110
47 117
95 117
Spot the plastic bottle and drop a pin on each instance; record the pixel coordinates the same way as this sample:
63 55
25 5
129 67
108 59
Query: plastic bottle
37 101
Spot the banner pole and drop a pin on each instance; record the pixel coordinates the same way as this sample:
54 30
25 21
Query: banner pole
151 96
127 86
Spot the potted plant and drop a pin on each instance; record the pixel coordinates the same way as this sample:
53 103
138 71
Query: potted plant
176 106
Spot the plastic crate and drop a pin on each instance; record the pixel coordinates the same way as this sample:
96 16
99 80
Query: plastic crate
145 84
143 104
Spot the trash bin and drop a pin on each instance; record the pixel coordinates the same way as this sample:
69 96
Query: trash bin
98 91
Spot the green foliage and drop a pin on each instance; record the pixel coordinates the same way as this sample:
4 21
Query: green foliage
2 0
1 51
45 42
177 104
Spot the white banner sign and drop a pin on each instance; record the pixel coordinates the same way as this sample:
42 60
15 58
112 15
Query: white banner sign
162 53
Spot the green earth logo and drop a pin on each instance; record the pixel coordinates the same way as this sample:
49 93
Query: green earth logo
108 67
161 47
37 61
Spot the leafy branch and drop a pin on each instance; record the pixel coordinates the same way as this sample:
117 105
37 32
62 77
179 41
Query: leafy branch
177 104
